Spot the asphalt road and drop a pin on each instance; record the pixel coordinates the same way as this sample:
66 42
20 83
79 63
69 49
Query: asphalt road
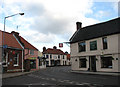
61 75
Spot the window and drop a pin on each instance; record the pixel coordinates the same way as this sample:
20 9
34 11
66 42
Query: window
63 56
5 59
104 40
50 56
31 52
58 56
47 56
16 58
40 63
93 45
82 46
82 63
106 62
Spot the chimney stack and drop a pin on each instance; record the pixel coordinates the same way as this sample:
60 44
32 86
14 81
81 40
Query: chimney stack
54 47
15 33
44 49
78 25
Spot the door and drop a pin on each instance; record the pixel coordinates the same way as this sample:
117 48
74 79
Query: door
92 63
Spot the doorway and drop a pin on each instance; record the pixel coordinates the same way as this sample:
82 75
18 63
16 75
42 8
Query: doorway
92 63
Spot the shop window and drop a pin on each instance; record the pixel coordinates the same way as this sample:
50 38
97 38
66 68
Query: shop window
82 46
31 52
47 62
93 45
50 56
5 59
106 62
82 63
104 40
16 58
63 56
40 62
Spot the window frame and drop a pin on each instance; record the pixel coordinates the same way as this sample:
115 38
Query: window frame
105 43
91 43
80 61
104 62
83 47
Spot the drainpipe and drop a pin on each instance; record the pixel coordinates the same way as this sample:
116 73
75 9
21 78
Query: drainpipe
22 61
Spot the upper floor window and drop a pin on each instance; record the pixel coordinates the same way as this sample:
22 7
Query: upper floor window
31 52
104 40
93 45
82 46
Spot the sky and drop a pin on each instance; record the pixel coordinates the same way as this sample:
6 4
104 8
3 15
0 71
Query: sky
50 22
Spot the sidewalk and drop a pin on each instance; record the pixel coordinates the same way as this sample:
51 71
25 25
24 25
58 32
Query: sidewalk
9 75
96 73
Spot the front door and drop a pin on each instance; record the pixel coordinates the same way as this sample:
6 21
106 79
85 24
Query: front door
92 63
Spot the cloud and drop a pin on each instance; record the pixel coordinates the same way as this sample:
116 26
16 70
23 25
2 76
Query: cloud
48 21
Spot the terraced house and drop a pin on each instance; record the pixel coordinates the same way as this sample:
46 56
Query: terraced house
54 56
96 47
19 54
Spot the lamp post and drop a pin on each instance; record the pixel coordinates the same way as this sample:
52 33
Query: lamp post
4 34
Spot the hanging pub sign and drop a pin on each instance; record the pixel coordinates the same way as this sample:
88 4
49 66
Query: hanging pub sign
60 44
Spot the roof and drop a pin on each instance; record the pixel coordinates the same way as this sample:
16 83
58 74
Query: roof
54 51
27 44
98 30
10 40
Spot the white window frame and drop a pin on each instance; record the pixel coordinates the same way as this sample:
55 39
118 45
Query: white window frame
17 60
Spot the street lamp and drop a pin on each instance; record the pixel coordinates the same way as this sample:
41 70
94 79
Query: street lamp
4 32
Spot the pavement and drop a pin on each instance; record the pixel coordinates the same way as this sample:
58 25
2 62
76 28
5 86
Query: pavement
96 73
10 75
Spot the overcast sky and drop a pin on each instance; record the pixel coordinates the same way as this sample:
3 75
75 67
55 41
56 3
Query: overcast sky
50 22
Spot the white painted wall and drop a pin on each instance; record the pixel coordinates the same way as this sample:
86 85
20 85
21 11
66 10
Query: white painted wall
113 49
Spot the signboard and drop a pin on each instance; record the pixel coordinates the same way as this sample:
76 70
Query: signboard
60 44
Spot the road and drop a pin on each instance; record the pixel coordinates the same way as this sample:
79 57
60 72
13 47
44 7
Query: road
61 75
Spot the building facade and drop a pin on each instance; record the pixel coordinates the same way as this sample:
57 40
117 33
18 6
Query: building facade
54 56
12 60
96 47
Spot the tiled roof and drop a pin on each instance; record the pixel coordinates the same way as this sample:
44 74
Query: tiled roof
54 51
10 40
27 44
97 30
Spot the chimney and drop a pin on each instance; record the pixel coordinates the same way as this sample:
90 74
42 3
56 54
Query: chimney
44 49
15 33
78 25
54 47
